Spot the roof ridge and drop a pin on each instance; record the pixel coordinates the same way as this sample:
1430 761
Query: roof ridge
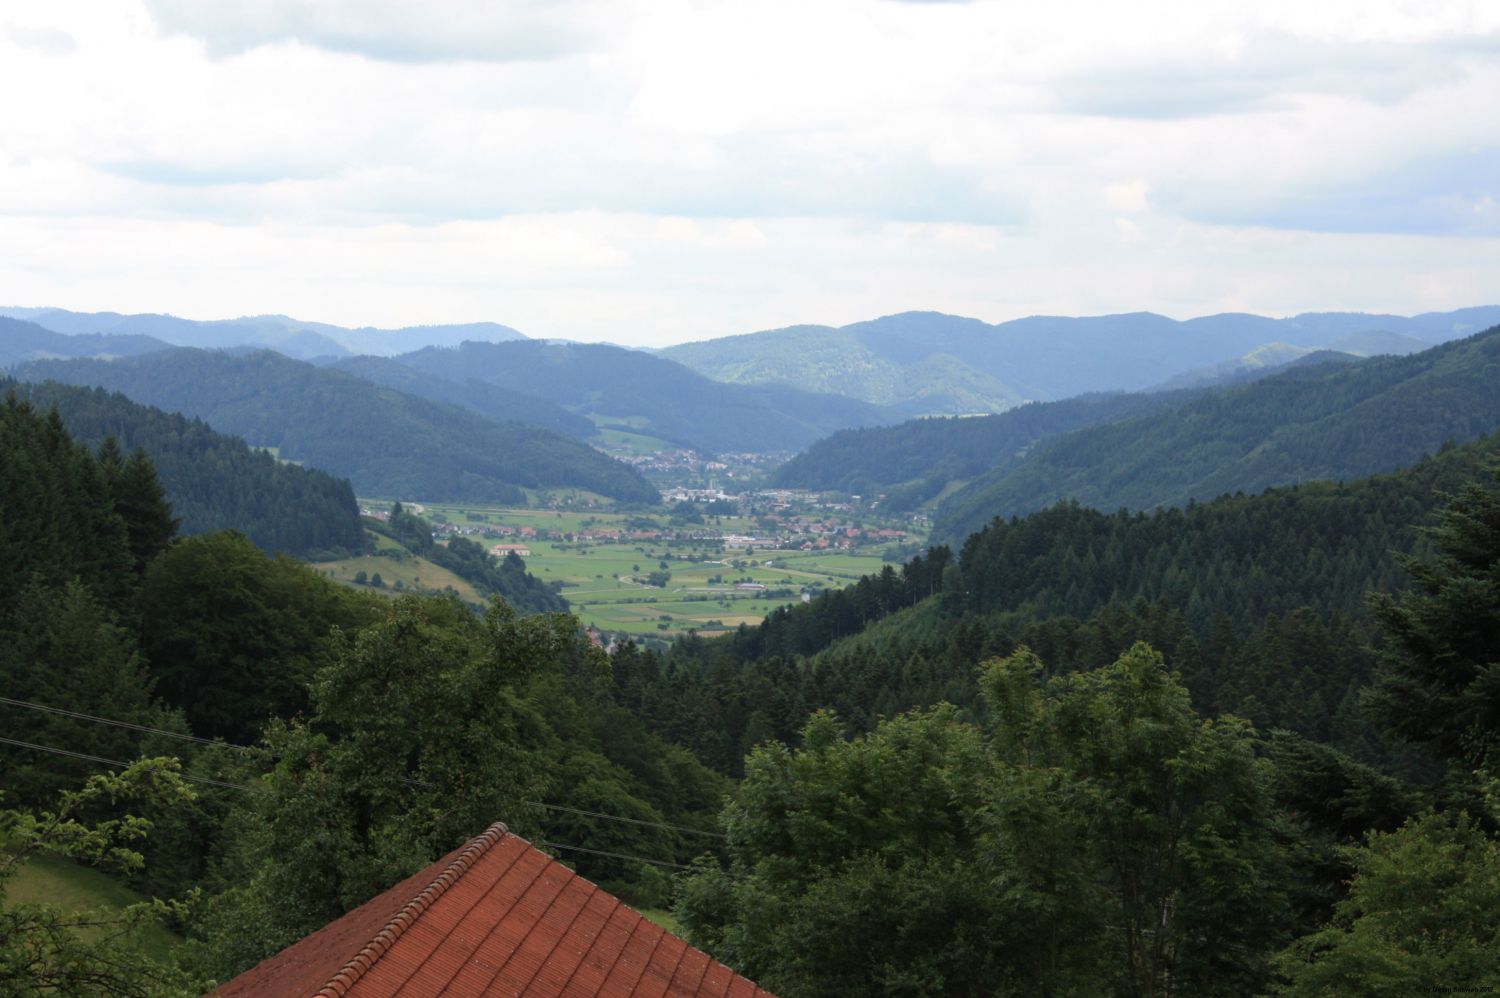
362 961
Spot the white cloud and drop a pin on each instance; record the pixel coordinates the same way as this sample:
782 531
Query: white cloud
685 167
392 30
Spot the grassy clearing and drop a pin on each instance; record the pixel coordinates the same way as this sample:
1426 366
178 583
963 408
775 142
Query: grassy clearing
664 919
635 443
411 571
49 880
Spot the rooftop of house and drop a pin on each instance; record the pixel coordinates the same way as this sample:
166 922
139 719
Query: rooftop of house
496 916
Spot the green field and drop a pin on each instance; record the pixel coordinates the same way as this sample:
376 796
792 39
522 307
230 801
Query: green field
606 582
635 443
395 564
49 880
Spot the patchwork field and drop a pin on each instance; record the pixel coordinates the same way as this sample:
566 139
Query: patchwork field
697 585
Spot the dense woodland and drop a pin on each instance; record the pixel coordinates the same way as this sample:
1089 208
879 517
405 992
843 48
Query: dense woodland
1245 746
213 481
914 461
488 400
386 443
1333 421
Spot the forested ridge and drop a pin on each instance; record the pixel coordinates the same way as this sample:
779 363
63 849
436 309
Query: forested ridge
660 396
386 443
213 481
1307 423
1180 752
914 461
488 400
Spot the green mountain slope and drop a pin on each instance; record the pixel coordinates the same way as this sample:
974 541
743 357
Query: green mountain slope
213 481
1310 422
488 400
836 361
655 396
385 442
916 460
22 341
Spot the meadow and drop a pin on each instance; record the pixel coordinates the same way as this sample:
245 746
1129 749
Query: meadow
609 584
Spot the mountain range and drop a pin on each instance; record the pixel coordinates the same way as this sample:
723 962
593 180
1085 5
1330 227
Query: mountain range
930 363
650 394
1323 415
1310 422
293 337
387 443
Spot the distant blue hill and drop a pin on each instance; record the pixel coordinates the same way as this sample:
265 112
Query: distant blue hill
292 337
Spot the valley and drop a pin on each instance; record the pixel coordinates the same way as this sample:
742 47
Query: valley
653 577
676 624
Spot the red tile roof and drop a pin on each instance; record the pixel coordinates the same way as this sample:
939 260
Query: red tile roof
495 917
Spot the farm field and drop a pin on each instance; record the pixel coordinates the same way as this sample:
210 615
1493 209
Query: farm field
393 564
699 585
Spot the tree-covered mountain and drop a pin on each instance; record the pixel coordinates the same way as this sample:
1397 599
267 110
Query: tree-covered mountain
387 443
906 360
488 400
916 460
22 341
213 481
656 396
1323 421
840 362
293 337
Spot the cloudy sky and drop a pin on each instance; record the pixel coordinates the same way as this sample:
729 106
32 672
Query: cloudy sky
664 170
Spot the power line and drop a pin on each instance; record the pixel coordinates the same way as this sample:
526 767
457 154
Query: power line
122 724
246 748
238 786
633 821
613 855
115 762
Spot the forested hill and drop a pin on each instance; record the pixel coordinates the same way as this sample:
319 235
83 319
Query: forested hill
387 443
928 362
657 396
490 401
282 333
914 461
1315 422
23 341
213 481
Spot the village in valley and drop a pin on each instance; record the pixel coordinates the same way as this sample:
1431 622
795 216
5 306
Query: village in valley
707 561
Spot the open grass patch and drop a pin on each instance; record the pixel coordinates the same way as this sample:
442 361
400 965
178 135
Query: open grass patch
50 880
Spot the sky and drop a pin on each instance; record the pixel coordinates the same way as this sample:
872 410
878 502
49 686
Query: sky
659 171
